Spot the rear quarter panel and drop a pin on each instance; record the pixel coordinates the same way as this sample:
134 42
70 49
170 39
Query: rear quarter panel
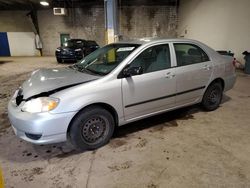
223 68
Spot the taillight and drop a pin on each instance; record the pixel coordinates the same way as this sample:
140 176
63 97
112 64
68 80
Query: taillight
234 62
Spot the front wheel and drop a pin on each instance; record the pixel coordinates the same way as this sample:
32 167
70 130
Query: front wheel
91 128
212 97
59 60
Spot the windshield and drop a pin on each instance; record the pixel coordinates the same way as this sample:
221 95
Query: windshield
104 60
73 44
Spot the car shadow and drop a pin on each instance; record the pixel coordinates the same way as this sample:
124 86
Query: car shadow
167 119
225 99
3 62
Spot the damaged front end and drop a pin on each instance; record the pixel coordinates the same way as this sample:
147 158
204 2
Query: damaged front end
19 98
30 108
45 82
41 102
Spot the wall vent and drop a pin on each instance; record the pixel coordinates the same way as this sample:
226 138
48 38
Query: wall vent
60 11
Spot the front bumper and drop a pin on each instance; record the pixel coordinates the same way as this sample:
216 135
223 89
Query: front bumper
72 56
52 128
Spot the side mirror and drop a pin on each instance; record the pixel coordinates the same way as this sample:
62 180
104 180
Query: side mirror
132 71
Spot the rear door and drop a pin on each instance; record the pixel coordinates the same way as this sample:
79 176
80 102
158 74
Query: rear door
153 90
193 72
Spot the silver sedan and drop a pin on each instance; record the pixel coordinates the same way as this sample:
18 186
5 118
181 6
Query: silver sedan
115 85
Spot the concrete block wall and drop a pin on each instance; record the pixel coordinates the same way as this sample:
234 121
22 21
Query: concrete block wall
148 21
89 23
85 23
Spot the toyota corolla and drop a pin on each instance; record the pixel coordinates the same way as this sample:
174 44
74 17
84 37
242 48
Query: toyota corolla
115 85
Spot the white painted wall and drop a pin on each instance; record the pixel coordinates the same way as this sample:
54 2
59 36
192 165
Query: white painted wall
22 43
221 24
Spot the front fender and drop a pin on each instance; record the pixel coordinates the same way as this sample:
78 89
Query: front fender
76 98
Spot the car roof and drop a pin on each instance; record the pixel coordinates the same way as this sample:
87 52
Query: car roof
155 40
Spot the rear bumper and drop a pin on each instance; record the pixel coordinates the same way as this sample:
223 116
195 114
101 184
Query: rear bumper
51 128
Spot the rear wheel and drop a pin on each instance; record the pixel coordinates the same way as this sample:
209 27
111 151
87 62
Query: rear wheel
212 97
91 128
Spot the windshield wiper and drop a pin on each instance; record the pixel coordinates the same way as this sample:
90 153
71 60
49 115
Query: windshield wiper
78 68
94 72
84 69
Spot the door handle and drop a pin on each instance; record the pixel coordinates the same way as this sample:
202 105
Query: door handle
207 67
169 75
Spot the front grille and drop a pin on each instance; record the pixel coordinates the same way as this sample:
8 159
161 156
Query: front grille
19 97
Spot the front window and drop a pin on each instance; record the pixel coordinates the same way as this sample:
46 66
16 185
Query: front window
153 59
106 59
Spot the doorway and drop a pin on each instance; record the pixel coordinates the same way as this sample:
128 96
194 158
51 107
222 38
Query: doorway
64 37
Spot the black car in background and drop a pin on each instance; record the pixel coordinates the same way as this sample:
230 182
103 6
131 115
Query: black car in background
75 49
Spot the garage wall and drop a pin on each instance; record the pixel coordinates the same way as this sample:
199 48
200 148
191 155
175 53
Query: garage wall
85 23
222 24
89 23
14 21
148 21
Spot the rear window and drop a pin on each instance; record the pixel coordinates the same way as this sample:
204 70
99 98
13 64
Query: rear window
223 52
187 54
92 43
74 43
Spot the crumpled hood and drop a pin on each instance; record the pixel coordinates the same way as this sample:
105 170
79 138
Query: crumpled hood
47 80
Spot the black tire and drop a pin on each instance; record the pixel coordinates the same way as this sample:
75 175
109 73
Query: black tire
212 97
91 128
59 60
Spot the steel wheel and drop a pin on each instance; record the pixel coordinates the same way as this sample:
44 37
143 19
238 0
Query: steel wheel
94 129
91 128
212 97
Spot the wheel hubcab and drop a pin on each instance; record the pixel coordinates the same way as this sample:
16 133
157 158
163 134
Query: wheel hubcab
93 129
214 97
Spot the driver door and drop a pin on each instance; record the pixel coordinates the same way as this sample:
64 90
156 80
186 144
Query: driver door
152 91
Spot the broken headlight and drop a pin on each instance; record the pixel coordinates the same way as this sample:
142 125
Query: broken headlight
41 104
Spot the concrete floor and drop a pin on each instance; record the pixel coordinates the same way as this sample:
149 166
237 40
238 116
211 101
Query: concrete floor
183 148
